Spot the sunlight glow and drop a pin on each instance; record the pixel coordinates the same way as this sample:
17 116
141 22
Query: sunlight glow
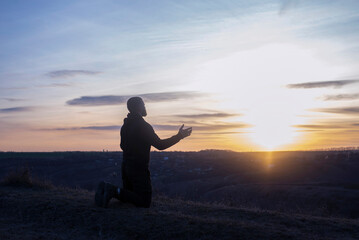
253 83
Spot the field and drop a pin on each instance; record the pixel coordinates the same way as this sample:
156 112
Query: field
42 211
321 183
197 195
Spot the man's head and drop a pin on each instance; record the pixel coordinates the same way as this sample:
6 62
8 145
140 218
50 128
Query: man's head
136 105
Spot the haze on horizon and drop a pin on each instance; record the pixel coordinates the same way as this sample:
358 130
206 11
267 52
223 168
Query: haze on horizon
246 75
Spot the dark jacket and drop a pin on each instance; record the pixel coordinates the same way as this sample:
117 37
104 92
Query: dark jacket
137 137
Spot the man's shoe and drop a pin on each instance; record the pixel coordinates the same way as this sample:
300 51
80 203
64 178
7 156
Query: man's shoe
99 194
110 192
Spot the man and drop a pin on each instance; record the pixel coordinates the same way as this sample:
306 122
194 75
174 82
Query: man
137 137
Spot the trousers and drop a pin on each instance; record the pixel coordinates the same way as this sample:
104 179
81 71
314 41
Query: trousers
137 187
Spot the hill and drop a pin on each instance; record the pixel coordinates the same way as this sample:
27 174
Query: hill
42 211
320 183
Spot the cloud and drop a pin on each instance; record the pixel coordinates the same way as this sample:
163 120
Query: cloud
13 99
204 127
98 100
208 115
344 110
101 128
323 84
97 128
70 73
165 127
221 133
308 130
56 85
15 109
14 88
318 126
121 99
340 97
286 6
208 127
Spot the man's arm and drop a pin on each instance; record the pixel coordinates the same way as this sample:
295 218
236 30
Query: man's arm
162 144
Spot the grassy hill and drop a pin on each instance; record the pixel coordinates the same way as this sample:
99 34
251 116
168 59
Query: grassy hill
320 183
32 209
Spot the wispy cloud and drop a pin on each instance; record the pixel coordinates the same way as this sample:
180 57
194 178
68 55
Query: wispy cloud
221 133
208 128
340 97
222 126
13 99
96 128
70 73
15 109
14 88
323 84
309 130
54 85
343 110
97 100
208 115
319 126
103 128
121 99
286 6
205 127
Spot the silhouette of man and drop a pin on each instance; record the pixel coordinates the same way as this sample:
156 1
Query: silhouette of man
137 137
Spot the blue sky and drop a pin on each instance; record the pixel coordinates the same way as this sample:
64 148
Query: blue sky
227 68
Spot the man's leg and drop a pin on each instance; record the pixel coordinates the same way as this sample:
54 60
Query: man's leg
112 191
141 195
99 194
137 188
126 182
139 199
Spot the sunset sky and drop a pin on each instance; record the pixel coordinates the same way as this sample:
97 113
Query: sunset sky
246 75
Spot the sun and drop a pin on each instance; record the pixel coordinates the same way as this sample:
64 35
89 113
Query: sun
253 82
272 121
272 134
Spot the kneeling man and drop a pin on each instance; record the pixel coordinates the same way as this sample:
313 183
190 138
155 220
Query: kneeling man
137 137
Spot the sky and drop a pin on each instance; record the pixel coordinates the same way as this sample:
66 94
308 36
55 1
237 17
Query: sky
246 75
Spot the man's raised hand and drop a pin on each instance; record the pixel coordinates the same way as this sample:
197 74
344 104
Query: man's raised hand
185 132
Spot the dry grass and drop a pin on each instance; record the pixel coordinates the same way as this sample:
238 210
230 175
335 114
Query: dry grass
21 177
60 213
31 209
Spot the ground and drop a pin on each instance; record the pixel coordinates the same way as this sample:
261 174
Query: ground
49 212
